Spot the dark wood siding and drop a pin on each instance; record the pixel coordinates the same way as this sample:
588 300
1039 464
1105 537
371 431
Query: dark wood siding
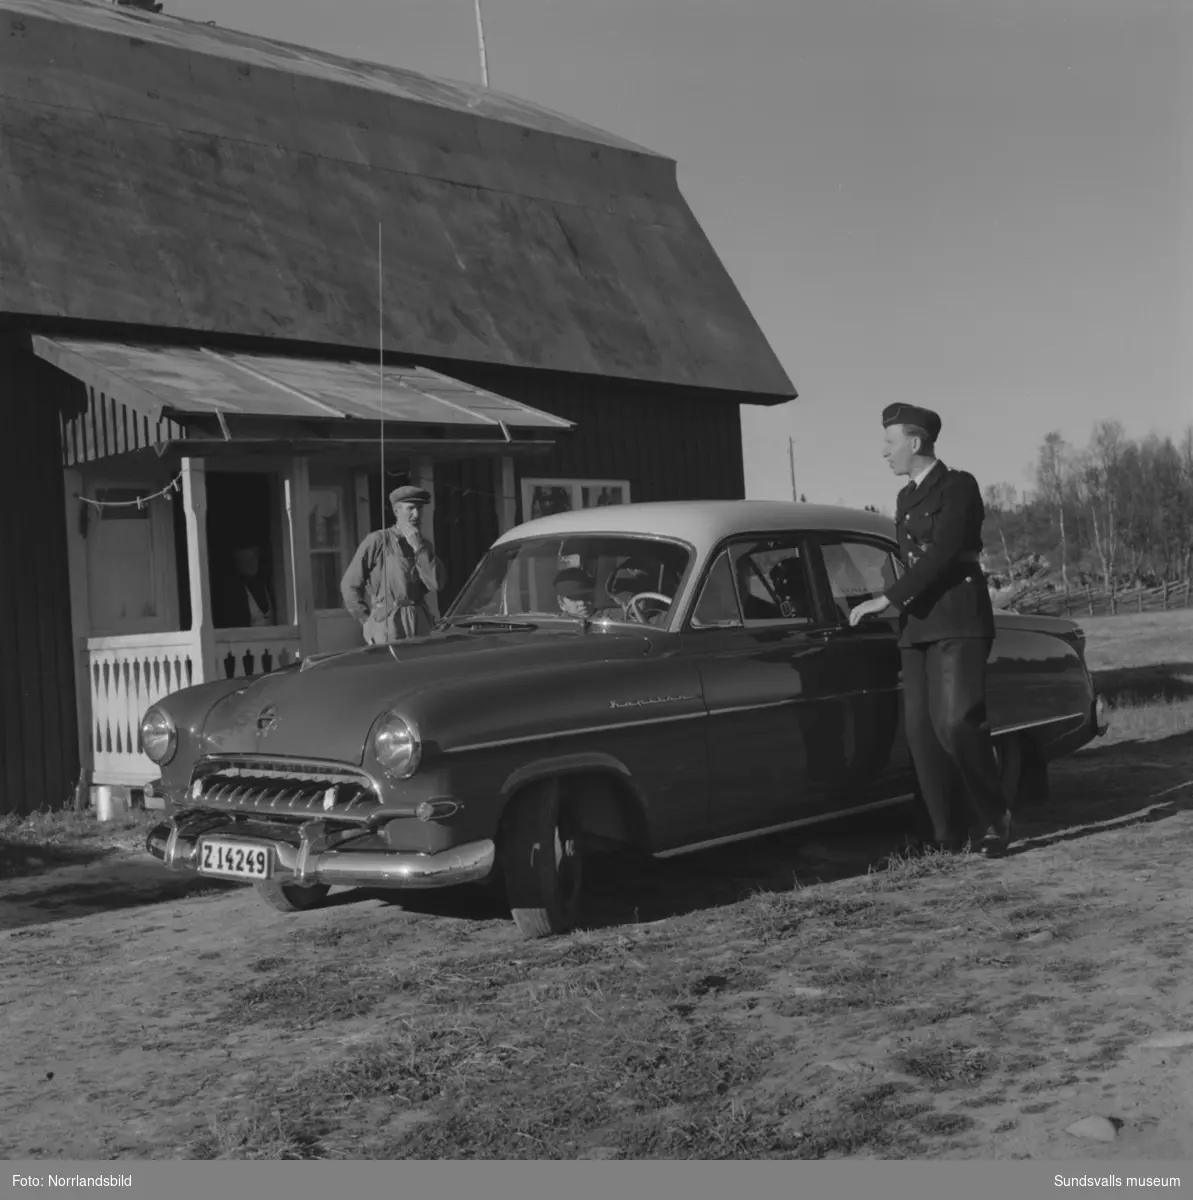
39 752
465 519
669 444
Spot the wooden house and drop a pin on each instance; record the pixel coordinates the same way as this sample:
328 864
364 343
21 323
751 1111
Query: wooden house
238 280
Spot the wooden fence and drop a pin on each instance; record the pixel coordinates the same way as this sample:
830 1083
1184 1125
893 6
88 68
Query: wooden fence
1098 602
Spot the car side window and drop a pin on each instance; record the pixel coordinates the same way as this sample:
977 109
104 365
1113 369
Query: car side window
717 607
774 582
857 571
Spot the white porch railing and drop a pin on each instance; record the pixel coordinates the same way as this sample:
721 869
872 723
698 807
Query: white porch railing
240 652
129 673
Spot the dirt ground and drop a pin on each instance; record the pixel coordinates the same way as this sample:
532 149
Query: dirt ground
802 997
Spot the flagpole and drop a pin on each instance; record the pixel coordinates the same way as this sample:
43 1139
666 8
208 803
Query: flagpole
480 37
791 457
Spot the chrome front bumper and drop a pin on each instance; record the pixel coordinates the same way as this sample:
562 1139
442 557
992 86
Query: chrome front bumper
178 844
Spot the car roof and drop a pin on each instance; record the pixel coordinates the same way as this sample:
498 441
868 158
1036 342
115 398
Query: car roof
703 523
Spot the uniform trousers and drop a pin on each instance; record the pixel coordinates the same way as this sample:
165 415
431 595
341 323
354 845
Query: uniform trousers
944 699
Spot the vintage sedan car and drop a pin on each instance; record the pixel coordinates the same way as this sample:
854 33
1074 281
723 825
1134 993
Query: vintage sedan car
712 690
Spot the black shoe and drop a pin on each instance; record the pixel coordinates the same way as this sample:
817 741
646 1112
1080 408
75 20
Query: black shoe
997 838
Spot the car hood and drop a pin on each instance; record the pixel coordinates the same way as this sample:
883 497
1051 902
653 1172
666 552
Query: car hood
327 710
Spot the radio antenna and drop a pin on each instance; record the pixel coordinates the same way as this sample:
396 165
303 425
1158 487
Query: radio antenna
383 591
480 38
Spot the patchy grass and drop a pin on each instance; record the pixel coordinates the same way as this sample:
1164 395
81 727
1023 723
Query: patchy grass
42 840
1135 640
1135 720
899 1014
1143 665
823 997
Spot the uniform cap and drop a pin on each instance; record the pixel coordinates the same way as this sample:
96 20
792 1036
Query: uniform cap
572 583
911 414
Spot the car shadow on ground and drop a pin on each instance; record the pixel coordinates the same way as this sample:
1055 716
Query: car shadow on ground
1090 792
24 860
80 883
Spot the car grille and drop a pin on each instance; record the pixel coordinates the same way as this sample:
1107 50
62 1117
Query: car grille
283 788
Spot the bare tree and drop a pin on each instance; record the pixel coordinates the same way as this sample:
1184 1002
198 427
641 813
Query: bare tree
1102 480
1185 502
1054 479
1000 501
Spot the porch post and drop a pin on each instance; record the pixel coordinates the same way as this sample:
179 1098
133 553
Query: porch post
194 507
298 516
80 615
422 474
507 497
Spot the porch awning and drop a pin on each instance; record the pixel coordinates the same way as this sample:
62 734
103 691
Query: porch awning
252 393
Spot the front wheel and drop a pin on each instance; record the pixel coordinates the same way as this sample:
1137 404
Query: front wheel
292 897
542 865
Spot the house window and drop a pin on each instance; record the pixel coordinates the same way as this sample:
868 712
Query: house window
543 497
327 546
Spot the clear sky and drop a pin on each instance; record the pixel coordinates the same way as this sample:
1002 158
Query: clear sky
983 206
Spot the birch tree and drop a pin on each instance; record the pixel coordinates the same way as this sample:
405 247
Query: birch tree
1101 479
1055 482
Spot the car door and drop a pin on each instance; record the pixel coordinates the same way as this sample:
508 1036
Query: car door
764 671
866 693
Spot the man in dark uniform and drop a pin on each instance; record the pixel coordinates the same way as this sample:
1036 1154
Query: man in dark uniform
947 629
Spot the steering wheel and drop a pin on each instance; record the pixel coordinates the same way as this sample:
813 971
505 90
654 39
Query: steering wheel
632 609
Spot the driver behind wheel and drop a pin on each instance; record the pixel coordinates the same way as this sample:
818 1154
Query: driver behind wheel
627 581
576 592
633 578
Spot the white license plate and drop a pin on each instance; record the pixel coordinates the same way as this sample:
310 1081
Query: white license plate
235 860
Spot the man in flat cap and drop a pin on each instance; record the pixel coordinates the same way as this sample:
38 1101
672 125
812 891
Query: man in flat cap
947 629
391 583
577 594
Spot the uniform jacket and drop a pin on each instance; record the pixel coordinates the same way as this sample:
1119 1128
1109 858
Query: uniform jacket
941 594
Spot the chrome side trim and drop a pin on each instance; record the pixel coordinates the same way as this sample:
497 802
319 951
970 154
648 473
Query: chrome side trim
585 729
789 700
750 834
740 708
691 716
1005 729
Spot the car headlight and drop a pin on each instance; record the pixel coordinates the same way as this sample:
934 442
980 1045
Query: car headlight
397 746
159 738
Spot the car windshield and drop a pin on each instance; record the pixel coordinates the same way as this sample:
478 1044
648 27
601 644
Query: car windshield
582 577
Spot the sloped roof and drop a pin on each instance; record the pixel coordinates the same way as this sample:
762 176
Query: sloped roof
163 173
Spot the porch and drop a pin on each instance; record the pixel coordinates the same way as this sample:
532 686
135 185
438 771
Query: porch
158 503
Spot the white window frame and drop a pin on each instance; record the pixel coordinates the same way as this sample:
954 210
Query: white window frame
576 486
341 550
